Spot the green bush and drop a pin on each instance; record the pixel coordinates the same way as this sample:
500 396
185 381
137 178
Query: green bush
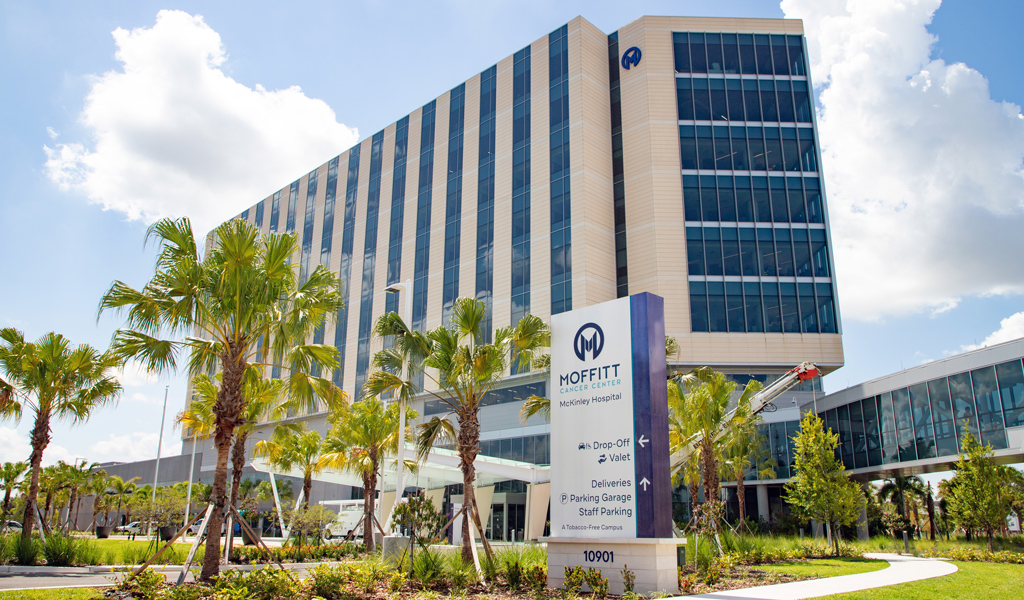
575 577
329 581
598 583
428 566
147 585
89 554
26 552
61 550
268 583
6 548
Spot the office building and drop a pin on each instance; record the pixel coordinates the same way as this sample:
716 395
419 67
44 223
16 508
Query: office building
676 156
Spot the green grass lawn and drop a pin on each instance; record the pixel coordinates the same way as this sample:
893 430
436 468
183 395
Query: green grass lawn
974 581
825 567
67 594
128 552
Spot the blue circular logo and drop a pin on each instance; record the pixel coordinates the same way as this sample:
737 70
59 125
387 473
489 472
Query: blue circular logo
631 58
593 344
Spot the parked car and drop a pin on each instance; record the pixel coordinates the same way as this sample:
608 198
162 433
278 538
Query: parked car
135 527
11 526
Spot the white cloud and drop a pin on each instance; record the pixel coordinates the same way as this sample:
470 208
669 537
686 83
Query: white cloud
15 446
173 135
1010 328
53 133
923 169
134 374
131 447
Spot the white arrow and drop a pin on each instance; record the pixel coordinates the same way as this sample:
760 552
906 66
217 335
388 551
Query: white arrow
644 482
642 440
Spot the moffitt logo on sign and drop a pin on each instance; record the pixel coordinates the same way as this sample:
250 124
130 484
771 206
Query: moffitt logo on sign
594 344
631 58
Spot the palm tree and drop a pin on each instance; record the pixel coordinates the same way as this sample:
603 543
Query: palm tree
11 474
708 395
896 490
745 447
55 381
294 448
462 370
242 304
76 475
359 441
122 490
96 486
681 433
261 400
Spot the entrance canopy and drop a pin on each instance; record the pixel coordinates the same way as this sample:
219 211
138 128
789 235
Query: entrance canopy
440 468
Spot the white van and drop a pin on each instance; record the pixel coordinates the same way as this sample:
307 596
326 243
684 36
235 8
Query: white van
349 522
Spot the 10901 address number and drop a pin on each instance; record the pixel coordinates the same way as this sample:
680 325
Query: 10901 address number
602 556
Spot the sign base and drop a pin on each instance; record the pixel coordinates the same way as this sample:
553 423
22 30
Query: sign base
652 560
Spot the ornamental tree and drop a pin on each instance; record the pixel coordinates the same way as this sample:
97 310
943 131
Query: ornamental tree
821 489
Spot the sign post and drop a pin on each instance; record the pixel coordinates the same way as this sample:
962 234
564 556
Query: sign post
611 491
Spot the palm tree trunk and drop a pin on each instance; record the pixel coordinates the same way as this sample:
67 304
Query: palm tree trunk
468 446
369 489
307 486
226 411
709 465
740 495
7 502
237 464
40 439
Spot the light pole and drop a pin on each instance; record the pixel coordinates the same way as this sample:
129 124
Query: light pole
405 286
160 442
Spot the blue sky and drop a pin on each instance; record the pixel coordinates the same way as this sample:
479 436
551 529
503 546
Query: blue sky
922 142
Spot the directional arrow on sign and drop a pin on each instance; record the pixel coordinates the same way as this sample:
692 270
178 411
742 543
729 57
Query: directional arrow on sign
642 440
644 482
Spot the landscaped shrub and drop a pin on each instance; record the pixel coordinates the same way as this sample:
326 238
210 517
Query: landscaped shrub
575 577
598 583
147 585
268 583
6 548
329 581
26 552
61 550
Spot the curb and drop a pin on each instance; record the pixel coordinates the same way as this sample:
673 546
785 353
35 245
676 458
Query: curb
99 569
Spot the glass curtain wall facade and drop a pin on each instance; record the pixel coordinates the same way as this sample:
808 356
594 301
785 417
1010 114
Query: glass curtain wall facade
927 419
756 240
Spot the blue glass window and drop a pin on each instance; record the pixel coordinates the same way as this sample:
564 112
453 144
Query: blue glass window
1011 390
964 415
561 205
485 199
307 226
275 211
453 201
698 307
293 198
521 185
369 261
922 414
394 274
990 412
716 306
348 229
942 413
423 206
772 308
258 221
890 446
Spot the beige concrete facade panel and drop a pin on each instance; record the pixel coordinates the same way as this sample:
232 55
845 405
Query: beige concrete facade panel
435 282
470 187
540 177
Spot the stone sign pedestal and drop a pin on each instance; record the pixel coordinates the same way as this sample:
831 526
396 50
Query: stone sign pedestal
652 561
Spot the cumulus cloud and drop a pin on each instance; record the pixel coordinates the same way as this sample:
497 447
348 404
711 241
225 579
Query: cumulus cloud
173 135
1010 328
134 374
131 447
15 447
923 169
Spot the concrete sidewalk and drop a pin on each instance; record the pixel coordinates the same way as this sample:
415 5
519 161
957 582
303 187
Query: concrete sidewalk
902 569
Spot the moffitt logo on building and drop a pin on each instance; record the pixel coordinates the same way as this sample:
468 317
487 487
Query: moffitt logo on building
631 58
594 344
